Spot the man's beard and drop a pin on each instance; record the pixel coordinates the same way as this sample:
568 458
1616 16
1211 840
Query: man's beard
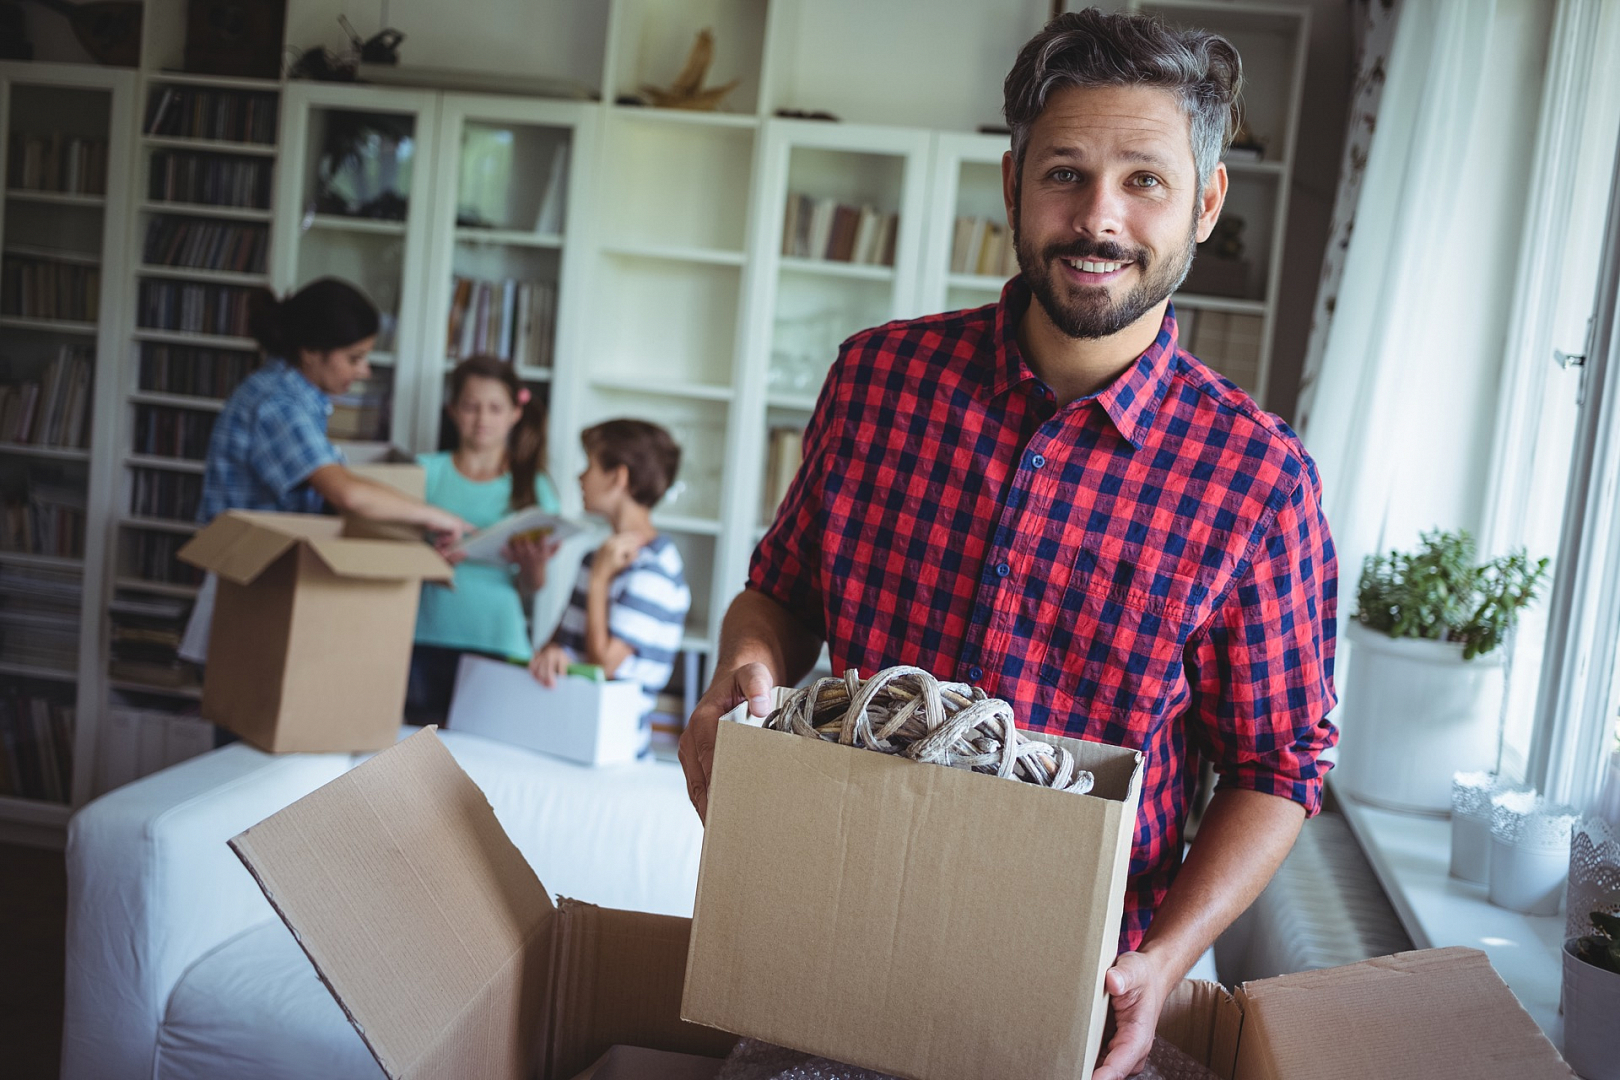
1090 314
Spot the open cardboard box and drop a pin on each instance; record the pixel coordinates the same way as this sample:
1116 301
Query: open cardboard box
311 639
451 961
386 464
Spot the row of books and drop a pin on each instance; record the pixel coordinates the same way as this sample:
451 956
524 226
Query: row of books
137 742
37 288
821 228
39 616
36 737
210 179
55 410
194 308
57 162
164 431
193 370
145 649
200 244
160 493
361 415
784 455
1227 341
985 247
149 556
193 113
45 518
511 320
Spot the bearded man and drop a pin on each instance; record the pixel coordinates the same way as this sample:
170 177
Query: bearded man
1052 499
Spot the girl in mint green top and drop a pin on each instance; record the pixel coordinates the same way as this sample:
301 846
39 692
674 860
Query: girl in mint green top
496 469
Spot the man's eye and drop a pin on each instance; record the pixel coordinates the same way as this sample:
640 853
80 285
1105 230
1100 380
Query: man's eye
1065 176
1147 180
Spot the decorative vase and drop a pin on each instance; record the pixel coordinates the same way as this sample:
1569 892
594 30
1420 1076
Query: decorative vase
1591 1009
1415 714
1529 861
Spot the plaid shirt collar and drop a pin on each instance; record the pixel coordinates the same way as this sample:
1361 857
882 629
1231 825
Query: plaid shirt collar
294 382
1130 401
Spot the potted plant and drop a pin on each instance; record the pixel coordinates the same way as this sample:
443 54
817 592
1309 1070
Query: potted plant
1425 686
1592 1000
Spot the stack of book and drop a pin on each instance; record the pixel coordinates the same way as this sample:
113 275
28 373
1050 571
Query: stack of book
784 456
164 431
199 372
984 248
39 617
38 288
45 518
1227 341
819 228
201 244
36 747
145 642
54 411
228 115
211 179
57 162
193 308
149 556
509 320
361 415
160 493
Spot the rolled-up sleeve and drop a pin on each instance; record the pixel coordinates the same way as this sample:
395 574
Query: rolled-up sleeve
1262 673
290 445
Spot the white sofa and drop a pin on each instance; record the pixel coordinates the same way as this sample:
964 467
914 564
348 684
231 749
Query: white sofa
178 969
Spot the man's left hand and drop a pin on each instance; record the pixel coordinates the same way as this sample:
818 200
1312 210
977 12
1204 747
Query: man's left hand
1138 988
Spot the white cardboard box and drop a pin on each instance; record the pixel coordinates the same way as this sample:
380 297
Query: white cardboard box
593 723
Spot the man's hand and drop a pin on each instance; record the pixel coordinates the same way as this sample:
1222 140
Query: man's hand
1138 988
549 665
751 683
531 557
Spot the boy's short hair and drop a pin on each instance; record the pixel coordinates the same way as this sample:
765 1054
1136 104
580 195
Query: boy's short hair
648 451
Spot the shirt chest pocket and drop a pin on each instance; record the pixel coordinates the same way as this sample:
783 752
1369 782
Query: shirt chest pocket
1114 650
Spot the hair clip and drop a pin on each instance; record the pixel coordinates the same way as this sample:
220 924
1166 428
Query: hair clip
523 396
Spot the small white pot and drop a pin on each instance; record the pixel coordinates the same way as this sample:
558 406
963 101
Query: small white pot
1415 713
1591 1018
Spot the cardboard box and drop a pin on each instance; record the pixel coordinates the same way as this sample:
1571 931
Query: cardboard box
447 955
386 464
834 878
593 723
311 638
440 944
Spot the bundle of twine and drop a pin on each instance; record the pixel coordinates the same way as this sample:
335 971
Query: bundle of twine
906 711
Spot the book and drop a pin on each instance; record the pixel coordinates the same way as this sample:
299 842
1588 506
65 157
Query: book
485 545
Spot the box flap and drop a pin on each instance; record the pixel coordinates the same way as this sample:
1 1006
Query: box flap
1442 1014
238 544
1204 1022
389 560
418 912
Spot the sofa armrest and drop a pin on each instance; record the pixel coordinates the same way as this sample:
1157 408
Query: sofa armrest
152 887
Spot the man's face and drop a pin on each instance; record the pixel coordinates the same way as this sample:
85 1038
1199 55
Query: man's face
1107 213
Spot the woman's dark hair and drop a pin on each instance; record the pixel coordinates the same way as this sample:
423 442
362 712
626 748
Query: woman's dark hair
526 446
324 315
648 451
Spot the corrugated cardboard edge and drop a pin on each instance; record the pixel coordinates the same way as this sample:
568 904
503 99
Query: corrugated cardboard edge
238 545
1204 1022
381 559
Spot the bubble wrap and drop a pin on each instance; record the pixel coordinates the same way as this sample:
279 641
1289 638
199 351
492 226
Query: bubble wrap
755 1060
1594 874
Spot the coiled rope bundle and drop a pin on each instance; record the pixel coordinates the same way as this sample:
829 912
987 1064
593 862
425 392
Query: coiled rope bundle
906 711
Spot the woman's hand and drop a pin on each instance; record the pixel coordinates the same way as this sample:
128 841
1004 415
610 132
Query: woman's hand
616 553
531 557
549 665
441 521
445 545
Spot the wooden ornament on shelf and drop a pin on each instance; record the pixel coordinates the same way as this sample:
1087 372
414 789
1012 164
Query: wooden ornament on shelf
688 91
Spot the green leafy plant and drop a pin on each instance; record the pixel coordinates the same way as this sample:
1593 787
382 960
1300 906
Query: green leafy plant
1439 593
1601 949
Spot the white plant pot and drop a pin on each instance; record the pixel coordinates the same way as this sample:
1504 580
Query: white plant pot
1415 712
1591 1019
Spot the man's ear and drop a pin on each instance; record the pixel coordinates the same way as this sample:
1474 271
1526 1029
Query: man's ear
1211 201
1009 186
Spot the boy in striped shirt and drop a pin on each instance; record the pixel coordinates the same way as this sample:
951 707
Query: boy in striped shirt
628 609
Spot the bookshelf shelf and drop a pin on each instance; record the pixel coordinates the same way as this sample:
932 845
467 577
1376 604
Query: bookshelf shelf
191 693
57 326
55 198
381 359
533 374
54 453
51 815
156 588
214 146
1219 303
665 387
161 525
79 258
222 82
181 337
652 114
508 237
676 253
179 401
186 273
834 268
37 671
790 403
232 213
40 562
1257 168
149 461
338 223
690 525
987 282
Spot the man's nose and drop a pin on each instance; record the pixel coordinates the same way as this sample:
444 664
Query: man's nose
1099 211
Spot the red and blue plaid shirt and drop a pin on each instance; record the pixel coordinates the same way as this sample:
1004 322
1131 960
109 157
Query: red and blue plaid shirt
1148 566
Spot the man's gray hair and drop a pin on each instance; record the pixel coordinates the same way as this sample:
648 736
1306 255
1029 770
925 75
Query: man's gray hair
1091 48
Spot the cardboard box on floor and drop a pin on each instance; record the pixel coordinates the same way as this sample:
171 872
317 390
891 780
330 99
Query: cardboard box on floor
386 464
311 640
584 720
449 958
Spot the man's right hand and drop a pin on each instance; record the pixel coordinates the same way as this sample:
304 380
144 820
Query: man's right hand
751 683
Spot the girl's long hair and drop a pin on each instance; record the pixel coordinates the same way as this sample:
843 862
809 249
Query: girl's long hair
526 446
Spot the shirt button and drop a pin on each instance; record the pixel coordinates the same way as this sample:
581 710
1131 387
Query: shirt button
1002 569
975 674
1037 461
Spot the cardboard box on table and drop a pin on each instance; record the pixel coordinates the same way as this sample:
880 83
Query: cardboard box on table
311 639
386 464
583 720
